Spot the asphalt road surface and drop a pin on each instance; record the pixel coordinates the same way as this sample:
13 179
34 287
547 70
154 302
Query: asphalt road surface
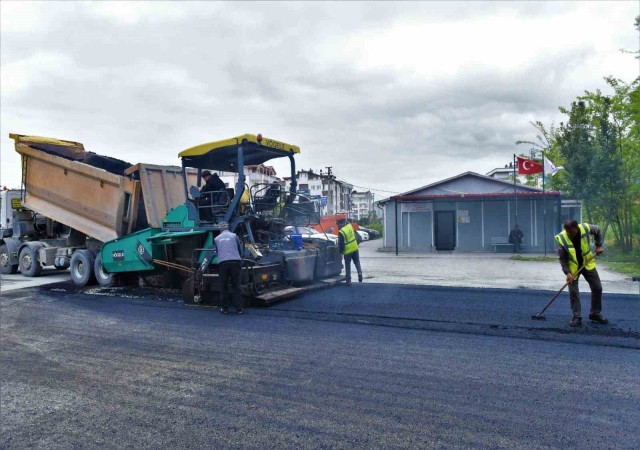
381 366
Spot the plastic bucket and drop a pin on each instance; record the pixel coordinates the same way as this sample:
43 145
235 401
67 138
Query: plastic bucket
296 241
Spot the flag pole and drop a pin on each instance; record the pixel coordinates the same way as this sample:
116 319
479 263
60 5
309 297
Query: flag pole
544 197
515 194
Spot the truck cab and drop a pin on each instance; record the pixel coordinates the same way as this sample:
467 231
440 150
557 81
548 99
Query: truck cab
10 201
25 235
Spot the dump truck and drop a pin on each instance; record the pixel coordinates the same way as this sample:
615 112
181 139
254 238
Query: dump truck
149 223
87 199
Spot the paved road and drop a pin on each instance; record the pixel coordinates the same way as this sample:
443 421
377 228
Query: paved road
369 366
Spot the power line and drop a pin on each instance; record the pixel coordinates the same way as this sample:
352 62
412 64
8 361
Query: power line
329 174
368 188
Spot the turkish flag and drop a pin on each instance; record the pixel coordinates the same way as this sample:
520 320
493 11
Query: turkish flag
528 167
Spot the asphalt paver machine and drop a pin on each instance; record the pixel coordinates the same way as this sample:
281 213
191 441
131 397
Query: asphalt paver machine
181 249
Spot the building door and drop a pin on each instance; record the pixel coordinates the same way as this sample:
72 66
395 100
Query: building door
445 230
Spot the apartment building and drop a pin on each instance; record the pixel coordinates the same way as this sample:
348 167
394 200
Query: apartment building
334 195
362 205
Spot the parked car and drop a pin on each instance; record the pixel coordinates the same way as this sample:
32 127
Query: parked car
308 232
373 234
363 235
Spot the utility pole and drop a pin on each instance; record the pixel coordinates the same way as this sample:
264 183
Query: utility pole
332 207
329 173
544 215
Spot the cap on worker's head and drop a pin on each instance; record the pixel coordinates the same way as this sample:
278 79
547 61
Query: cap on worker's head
206 173
341 222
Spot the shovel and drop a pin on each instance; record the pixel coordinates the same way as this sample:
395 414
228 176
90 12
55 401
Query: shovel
540 315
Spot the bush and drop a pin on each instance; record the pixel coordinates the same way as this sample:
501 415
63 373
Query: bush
376 226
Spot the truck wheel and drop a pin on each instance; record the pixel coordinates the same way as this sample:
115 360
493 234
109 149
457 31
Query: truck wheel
81 267
104 279
6 268
187 291
29 262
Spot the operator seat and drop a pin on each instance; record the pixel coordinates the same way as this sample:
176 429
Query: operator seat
269 200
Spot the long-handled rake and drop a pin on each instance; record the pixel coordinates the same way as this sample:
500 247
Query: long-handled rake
540 316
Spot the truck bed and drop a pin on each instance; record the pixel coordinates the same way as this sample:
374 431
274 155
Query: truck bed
61 183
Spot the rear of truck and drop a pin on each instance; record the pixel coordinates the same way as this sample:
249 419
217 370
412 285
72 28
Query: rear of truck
96 197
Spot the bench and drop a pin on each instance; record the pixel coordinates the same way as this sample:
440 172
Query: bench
501 243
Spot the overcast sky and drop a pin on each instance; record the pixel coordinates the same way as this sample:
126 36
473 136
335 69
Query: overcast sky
392 95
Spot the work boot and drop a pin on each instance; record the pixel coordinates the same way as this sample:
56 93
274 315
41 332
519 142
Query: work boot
598 318
576 322
240 311
224 310
348 283
359 278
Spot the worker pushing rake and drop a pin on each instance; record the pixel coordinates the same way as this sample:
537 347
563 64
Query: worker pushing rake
577 258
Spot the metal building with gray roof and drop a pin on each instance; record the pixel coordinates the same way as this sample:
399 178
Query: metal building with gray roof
473 213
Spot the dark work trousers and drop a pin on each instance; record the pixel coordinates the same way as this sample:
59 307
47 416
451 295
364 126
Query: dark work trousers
355 257
229 271
593 279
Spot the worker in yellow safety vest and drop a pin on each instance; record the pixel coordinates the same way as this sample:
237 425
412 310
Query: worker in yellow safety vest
575 251
348 241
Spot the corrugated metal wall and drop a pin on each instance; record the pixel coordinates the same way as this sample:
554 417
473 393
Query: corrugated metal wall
477 222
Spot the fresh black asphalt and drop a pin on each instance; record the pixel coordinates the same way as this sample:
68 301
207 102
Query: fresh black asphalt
380 366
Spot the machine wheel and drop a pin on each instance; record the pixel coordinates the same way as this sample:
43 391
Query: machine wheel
103 278
29 262
81 267
187 291
6 268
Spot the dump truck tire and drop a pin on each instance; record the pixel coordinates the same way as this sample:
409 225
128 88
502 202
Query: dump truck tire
81 267
6 268
103 278
29 262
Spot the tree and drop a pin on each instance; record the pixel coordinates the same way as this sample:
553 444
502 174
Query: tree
600 144
576 146
599 147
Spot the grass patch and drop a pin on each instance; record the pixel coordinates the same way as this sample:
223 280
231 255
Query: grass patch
627 268
534 258
617 261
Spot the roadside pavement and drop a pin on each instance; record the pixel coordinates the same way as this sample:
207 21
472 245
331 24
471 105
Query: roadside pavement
17 281
483 270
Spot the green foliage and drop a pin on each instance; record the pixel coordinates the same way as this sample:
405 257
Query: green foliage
376 226
616 260
627 268
599 147
533 258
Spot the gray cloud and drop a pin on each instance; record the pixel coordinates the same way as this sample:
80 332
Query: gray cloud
144 82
